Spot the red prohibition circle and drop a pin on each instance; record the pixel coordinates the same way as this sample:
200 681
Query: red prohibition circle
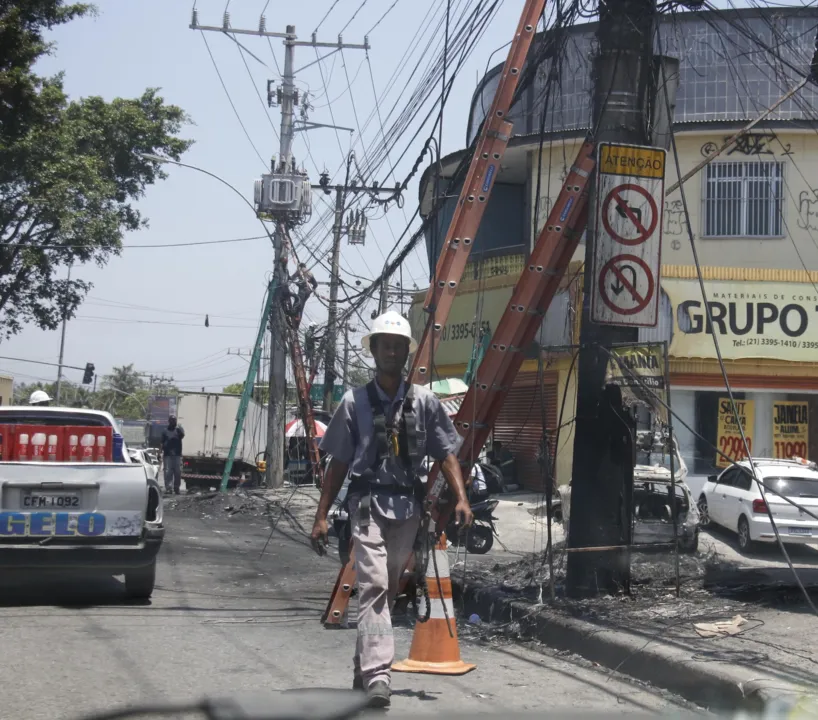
644 233
610 267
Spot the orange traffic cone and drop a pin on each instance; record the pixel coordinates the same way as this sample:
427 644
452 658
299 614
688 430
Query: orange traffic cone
435 649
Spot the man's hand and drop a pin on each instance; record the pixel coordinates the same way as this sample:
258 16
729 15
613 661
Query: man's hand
463 514
320 534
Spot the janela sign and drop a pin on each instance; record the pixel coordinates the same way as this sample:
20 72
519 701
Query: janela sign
772 320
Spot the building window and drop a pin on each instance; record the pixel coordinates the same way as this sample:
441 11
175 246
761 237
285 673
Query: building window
743 199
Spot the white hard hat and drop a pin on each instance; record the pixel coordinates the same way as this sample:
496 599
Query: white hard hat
38 396
390 323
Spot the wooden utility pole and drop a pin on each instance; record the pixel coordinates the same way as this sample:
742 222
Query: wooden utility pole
354 227
346 357
288 97
602 467
334 281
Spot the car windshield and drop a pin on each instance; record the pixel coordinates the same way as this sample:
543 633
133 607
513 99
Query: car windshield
794 486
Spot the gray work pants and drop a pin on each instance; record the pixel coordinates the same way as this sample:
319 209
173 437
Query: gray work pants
173 473
381 551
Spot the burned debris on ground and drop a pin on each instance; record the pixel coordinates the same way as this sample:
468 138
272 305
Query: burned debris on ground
251 503
706 592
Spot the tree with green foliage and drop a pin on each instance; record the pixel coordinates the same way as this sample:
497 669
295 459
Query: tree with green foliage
123 393
72 395
124 380
70 170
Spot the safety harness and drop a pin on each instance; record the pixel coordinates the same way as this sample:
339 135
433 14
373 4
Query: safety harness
398 439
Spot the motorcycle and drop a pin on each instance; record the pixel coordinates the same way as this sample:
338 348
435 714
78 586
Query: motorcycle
480 536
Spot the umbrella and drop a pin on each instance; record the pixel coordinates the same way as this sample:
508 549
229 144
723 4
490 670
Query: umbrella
295 428
452 404
449 386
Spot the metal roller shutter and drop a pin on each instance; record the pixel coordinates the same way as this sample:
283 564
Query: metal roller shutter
519 425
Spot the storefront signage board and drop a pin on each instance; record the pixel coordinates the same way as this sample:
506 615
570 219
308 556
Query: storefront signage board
750 319
790 429
728 439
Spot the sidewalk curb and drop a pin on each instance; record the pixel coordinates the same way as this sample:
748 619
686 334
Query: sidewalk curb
708 683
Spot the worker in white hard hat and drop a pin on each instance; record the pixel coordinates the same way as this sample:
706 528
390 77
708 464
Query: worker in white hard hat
380 435
40 398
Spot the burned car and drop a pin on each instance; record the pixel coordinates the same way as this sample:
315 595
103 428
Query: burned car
652 506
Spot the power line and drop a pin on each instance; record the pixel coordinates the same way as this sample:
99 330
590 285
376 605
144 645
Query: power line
230 100
354 15
127 321
458 174
326 15
198 243
96 300
255 87
382 17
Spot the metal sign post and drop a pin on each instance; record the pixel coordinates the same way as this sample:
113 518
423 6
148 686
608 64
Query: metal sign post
627 262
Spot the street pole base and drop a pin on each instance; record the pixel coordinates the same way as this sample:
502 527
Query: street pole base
456 667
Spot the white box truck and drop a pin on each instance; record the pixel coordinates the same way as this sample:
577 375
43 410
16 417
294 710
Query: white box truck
209 421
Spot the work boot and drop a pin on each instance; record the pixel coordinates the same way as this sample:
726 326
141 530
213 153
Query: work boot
357 682
378 695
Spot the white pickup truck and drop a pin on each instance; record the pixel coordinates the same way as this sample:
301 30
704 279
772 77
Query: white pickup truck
70 505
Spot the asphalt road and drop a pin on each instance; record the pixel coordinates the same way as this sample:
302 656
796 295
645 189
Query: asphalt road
224 621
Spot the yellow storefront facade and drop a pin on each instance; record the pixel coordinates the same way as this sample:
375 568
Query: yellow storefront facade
752 212
541 384
766 323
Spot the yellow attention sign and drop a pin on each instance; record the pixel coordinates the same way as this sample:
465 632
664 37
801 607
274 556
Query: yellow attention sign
729 439
790 429
632 160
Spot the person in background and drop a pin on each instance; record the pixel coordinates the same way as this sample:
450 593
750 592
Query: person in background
306 283
478 489
172 456
39 398
310 357
503 460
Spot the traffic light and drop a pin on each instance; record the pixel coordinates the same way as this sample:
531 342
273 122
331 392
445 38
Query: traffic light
88 377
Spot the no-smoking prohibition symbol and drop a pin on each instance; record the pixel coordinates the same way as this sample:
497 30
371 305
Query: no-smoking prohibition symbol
626 284
629 212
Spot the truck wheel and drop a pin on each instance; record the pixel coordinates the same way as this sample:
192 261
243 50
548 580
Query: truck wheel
139 582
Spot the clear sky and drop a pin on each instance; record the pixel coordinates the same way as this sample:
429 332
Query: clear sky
148 306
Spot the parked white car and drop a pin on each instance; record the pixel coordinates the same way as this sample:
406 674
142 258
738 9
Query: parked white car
138 455
734 501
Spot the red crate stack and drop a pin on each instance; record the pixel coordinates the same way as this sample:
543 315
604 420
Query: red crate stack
49 443
6 442
34 443
88 444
